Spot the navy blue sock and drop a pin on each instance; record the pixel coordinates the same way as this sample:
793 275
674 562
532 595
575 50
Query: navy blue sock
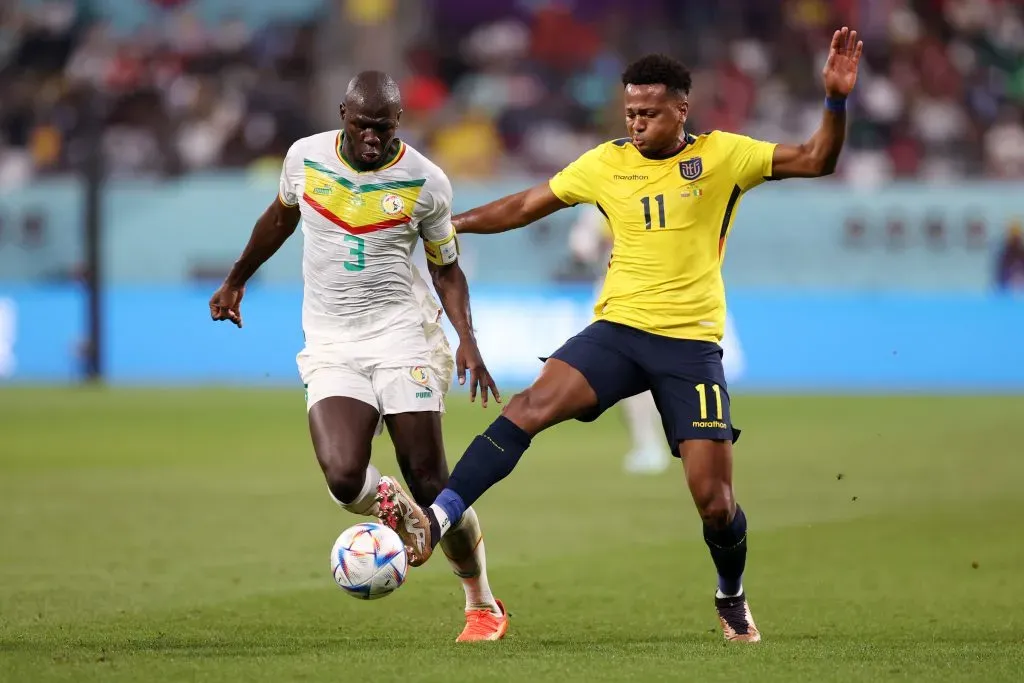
728 548
490 458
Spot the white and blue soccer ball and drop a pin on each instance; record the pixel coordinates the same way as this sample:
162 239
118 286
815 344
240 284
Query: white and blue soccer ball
368 561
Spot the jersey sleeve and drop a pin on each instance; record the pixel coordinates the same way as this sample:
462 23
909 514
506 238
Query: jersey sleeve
288 190
439 240
575 184
751 159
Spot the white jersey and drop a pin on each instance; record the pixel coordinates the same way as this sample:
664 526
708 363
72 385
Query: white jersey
359 231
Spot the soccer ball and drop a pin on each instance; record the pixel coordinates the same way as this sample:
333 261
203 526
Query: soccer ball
368 561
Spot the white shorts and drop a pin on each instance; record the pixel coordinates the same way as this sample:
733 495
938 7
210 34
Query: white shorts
409 376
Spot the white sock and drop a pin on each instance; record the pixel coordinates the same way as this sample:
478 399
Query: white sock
443 522
366 502
719 594
464 548
643 421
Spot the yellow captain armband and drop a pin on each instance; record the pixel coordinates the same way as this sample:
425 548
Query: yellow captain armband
442 253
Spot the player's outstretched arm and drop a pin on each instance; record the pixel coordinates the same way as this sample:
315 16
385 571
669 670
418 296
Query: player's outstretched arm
509 213
819 155
453 289
272 229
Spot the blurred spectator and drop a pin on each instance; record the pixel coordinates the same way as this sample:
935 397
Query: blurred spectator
179 96
1010 264
940 96
532 82
468 146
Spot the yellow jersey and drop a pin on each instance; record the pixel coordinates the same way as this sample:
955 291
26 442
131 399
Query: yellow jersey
670 219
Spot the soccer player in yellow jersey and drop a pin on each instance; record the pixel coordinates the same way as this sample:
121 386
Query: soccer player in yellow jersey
590 240
671 198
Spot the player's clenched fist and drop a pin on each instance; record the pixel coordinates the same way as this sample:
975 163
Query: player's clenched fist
226 304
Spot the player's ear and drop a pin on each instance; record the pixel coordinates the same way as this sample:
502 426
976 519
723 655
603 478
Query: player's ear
341 111
684 108
398 116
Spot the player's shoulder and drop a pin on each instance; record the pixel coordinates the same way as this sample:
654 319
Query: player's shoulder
611 150
416 165
323 143
416 161
609 153
723 139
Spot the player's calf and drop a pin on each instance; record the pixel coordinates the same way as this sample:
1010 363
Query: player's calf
708 465
486 618
726 538
424 482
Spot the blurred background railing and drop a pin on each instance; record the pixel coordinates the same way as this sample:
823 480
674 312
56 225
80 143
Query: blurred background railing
898 273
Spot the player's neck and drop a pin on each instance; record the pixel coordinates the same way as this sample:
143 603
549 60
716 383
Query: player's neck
671 151
346 155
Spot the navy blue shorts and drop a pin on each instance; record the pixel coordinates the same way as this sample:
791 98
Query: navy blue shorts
685 376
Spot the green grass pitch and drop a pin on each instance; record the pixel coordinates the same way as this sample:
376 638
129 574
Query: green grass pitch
184 535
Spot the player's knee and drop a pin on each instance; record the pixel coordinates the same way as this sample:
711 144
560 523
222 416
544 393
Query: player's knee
716 506
344 480
530 411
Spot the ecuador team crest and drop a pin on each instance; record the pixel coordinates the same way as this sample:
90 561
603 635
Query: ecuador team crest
691 169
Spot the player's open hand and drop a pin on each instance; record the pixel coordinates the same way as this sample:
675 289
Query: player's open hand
468 358
840 72
226 304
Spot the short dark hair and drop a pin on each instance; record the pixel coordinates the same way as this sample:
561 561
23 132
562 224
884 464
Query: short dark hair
659 69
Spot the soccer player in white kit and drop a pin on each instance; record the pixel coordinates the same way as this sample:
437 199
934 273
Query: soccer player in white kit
375 354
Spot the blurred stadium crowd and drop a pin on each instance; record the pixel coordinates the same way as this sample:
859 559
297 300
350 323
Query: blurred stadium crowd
506 86
175 97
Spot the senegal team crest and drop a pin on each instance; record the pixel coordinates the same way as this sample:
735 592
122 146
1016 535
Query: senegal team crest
691 169
392 204
419 375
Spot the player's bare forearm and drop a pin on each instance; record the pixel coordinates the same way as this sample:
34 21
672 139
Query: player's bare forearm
272 229
818 156
827 142
509 213
453 290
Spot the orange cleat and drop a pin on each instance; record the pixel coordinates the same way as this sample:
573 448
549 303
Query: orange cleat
482 624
